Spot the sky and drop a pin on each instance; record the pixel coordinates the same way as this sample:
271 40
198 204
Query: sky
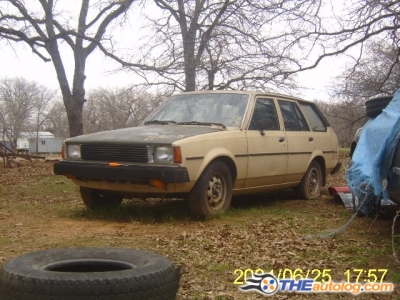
21 62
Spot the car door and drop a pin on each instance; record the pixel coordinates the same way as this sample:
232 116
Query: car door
324 137
300 140
267 150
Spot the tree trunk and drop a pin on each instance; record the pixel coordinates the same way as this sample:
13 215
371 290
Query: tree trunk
190 72
74 109
211 79
189 59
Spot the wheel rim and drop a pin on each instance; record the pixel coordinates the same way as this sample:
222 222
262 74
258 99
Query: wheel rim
313 181
216 193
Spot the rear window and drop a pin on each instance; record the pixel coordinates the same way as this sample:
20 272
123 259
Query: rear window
314 118
292 117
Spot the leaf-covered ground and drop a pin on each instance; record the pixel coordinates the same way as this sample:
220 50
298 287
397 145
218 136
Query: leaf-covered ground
275 231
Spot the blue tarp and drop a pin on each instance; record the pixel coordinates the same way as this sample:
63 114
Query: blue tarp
373 156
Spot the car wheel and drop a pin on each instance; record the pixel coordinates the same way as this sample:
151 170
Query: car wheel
374 107
212 193
94 198
89 273
310 185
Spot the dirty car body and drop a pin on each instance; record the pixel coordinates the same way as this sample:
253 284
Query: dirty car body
207 146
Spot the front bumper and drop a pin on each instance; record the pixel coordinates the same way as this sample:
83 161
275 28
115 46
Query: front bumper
140 174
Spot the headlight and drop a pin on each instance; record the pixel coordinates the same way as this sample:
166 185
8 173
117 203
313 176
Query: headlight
74 151
163 154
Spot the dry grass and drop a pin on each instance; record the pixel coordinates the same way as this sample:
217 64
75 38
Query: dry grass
273 231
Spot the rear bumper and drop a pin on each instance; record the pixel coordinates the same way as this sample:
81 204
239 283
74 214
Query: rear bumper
140 174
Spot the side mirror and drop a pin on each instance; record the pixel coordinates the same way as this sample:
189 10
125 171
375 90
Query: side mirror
264 124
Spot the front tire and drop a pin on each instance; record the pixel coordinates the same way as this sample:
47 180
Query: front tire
310 186
94 198
212 193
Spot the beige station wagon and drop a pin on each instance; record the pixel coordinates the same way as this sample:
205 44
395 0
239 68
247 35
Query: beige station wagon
207 146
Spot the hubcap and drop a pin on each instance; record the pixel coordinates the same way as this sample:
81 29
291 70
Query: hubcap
216 192
313 181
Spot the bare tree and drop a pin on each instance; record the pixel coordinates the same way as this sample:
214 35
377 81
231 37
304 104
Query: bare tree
370 77
44 25
40 110
109 109
367 79
57 120
351 27
16 104
222 44
345 115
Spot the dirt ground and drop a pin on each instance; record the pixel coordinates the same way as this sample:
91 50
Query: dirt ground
274 231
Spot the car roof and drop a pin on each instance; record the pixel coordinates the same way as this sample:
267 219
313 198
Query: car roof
252 93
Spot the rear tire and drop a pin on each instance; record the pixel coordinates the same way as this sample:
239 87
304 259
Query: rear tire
94 198
310 186
212 193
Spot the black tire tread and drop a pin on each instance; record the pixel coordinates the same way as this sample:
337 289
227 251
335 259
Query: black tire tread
374 106
157 280
92 199
302 189
197 207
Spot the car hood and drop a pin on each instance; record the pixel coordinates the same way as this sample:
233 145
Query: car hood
146 134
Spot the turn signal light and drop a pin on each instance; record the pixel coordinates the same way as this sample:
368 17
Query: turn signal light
157 183
177 155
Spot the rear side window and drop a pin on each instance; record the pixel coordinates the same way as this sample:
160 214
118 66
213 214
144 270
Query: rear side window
314 118
292 117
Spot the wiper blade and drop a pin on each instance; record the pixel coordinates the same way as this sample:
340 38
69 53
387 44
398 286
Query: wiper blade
162 122
202 123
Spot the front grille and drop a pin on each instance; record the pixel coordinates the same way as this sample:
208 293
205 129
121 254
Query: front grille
114 153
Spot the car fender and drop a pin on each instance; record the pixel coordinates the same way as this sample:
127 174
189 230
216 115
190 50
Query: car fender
314 154
318 155
229 146
213 154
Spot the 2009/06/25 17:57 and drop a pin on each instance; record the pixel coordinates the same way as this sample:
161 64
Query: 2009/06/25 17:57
324 275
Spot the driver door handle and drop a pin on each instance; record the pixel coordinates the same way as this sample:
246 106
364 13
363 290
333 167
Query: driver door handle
281 139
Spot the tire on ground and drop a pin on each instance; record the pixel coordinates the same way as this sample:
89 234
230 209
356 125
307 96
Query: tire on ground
311 183
89 273
374 106
94 198
212 193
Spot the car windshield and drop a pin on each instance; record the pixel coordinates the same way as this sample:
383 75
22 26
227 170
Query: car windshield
211 109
